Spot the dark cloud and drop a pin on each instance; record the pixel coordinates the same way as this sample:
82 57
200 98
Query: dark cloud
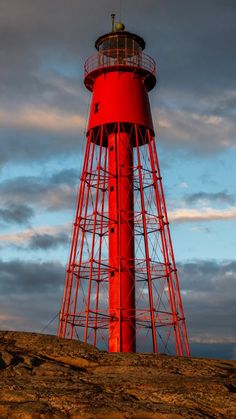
209 290
21 278
192 131
65 176
51 192
194 43
33 292
33 37
214 197
44 46
207 275
47 241
16 213
30 294
25 146
226 106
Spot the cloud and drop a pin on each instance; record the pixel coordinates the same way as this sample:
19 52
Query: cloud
52 236
43 104
43 69
42 235
201 229
183 215
206 338
205 197
195 42
194 131
47 241
31 292
42 119
20 146
58 192
226 105
29 277
183 185
16 213
49 192
208 290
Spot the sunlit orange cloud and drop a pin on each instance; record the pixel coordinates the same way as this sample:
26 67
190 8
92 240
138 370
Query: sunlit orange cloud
4 317
208 214
177 216
212 339
210 131
24 236
42 118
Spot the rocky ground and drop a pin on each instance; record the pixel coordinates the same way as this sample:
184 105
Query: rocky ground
46 377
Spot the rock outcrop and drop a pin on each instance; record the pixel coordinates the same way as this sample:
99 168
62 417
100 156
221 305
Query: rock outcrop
46 377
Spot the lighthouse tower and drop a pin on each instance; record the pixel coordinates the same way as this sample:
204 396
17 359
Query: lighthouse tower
122 290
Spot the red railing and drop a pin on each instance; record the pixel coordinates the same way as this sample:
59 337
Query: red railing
120 57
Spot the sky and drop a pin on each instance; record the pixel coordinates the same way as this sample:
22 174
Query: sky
43 115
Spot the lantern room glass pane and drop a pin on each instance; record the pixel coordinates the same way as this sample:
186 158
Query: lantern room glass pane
126 44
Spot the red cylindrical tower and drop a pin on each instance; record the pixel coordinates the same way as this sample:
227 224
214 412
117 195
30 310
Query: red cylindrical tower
122 289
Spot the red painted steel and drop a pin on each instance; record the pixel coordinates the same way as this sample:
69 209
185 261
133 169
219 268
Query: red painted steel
121 244
122 290
120 97
138 60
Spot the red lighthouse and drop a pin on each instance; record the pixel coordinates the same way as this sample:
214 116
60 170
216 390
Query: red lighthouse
122 289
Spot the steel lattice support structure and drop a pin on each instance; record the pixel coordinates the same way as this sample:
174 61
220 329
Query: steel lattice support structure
122 289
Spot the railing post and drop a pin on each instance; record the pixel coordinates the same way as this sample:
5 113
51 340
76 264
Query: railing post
119 56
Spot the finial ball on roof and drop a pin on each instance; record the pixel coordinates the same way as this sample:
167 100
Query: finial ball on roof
120 27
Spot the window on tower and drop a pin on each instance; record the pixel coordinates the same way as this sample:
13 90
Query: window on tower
96 107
